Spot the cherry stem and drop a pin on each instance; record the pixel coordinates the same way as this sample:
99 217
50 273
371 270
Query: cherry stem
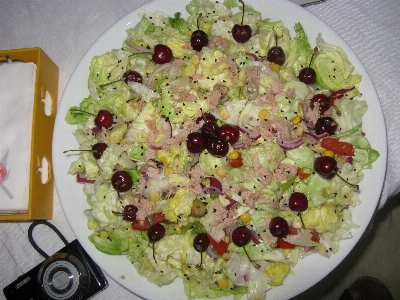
241 1
201 260
154 251
118 183
257 266
137 53
72 110
354 186
198 17
79 150
312 56
105 84
301 219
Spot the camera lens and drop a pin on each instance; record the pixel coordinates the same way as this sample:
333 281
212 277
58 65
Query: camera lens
63 277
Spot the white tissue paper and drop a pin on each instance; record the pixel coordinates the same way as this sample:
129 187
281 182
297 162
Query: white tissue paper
17 91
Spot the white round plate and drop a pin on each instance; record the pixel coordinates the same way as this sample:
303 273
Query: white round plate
309 270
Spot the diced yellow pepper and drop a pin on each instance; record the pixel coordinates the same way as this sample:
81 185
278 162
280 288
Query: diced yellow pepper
168 171
275 67
329 153
296 120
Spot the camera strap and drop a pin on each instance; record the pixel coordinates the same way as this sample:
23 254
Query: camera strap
32 241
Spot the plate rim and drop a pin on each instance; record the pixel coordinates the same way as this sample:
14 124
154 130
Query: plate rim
98 256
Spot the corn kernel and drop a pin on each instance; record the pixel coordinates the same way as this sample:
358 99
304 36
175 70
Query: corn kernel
245 218
299 131
168 171
296 120
275 67
92 224
264 114
104 234
155 196
221 172
329 153
319 148
223 283
224 114
234 154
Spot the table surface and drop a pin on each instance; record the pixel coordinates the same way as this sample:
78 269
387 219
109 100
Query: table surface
66 29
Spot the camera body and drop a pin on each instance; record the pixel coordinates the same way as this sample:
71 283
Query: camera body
68 274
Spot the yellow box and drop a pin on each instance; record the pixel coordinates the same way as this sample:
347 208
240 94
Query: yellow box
40 202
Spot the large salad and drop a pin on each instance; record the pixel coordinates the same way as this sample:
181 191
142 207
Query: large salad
220 157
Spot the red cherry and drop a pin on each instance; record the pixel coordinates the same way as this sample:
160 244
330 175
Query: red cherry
129 213
217 147
98 149
325 124
206 117
133 76
323 102
210 129
196 142
325 166
162 54
276 55
279 227
241 236
201 242
241 33
298 202
307 75
104 119
198 40
121 181
156 232
229 133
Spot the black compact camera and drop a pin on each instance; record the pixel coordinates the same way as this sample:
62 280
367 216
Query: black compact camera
68 274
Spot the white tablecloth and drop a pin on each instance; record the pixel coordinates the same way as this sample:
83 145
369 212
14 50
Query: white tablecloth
66 29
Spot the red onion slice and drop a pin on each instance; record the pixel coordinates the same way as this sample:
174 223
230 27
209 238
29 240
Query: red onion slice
136 47
254 238
291 144
238 145
157 70
81 178
340 93
233 205
316 137
211 252
252 55
215 186
254 135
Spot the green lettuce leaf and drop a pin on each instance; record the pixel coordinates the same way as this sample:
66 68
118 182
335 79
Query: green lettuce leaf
333 69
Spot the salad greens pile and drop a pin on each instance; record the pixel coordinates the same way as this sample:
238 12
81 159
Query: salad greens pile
270 106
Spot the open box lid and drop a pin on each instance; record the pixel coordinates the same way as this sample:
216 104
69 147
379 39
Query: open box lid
41 181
